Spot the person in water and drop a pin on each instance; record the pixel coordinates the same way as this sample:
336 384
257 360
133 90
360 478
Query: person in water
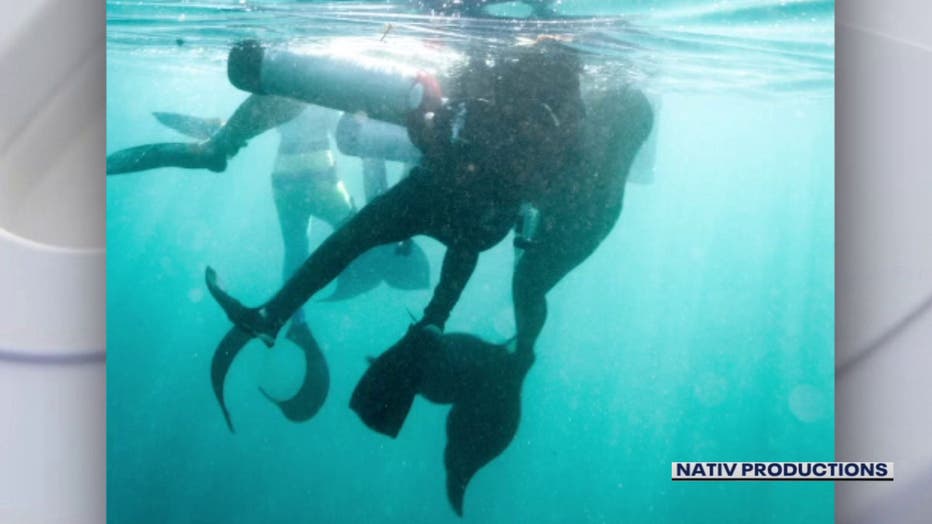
485 151
581 206
577 191
304 179
305 184
483 381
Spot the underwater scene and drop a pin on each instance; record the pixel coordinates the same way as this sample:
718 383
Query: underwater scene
552 379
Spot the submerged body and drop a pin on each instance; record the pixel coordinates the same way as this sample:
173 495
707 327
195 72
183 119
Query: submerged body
483 381
305 185
582 205
483 159
670 341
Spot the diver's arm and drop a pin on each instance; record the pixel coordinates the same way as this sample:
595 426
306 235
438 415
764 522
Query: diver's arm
256 115
458 266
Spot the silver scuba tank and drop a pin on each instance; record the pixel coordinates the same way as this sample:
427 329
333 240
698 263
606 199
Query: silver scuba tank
357 135
382 89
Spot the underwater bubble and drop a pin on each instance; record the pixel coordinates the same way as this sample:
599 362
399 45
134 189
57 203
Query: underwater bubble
807 403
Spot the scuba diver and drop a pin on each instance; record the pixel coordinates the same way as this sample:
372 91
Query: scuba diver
571 169
581 207
485 150
304 179
305 184
482 380
514 134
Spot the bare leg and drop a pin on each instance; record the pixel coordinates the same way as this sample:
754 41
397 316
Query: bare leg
404 211
374 177
298 197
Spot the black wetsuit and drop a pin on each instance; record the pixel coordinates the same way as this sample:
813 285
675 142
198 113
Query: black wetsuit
466 193
582 203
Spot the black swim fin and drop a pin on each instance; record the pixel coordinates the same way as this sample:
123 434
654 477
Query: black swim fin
478 430
406 269
247 319
171 154
193 126
226 352
406 266
385 392
313 392
362 275
484 382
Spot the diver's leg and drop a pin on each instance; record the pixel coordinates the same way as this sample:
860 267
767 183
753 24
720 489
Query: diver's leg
170 154
298 197
256 115
374 177
565 242
375 182
291 193
406 247
331 203
402 212
328 199
529 293
390 218
583 208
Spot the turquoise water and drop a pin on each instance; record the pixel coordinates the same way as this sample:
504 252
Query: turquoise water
700 330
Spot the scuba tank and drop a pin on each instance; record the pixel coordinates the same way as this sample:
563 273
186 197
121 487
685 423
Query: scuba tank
357 135
382 88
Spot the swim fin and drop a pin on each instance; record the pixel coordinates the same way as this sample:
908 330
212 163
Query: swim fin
483 381
408 270
478 430
385 392
362 275
192 126
171 154
247 319
313 392
226 352
406 266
